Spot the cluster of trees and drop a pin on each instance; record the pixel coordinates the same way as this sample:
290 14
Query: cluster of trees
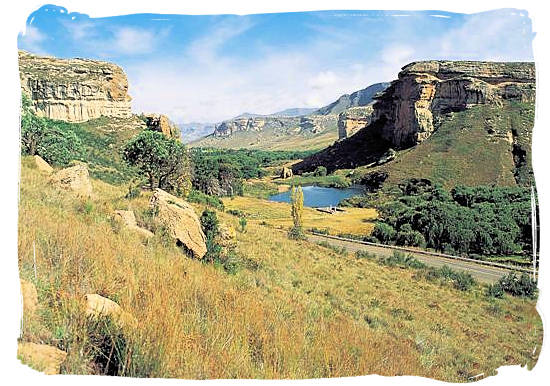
220 172
467 220
56 144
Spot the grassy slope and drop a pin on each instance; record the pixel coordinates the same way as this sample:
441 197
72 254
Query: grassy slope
294 310
461 152
270 139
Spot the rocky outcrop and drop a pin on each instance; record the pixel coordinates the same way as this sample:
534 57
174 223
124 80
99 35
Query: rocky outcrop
424 91
353 119
74 90
162 124
75 178
41 357
425 94
178 218
311 124
128 219
286 173
97 306
42 165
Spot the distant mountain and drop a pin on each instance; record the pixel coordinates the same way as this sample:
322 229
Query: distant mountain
292 112
195 130
358 98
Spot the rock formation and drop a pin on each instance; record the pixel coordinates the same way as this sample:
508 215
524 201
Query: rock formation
424 91
161 123
362 97
180 221
353 119
128 219
42 165
425 95
74 90
98 306
286 173
41 357
75 178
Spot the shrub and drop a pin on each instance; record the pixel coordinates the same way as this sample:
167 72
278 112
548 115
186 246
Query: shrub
199 197
384 232
519 285
242 223
495 291
210 227
320 171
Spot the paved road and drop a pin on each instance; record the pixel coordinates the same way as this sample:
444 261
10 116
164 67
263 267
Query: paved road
483 273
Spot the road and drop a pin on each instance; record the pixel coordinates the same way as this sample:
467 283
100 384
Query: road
483 273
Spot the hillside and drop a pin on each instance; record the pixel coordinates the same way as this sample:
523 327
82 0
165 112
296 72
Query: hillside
358 98
451 122
294 129
300 310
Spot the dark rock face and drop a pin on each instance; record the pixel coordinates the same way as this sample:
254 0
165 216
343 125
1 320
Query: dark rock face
358 98
411 108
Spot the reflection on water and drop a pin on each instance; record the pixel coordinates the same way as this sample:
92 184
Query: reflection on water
316 196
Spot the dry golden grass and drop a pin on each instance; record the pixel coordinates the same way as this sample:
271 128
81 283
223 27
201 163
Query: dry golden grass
294 310
277 214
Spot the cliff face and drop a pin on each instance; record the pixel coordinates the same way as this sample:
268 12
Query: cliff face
74 90
358 98
353 119
162 124
414 103
434 94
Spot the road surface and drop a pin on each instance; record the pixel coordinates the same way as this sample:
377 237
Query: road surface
483 273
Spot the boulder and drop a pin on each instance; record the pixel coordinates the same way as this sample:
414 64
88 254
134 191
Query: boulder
30 297
42 165
162 124
227 237
128 219
98 306
286 173
180 221
41 357
75 178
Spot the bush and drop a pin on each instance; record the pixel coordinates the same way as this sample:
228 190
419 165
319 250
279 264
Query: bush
384 232
199 197
320 171
210 226
242 224
519 285
495 291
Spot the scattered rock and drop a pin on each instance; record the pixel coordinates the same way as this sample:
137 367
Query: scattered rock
286 173
161 123
227 238
75 178
42 165
30 297
99 306
128 219
180 220
41 357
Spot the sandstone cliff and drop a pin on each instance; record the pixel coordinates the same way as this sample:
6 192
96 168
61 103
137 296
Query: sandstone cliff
432 94
74 90
414 103
353 119
162 124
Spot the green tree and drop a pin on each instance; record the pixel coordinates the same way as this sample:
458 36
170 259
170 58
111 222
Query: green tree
211 228
297 200
165 162
56 143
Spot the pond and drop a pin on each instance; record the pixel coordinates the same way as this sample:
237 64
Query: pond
318 196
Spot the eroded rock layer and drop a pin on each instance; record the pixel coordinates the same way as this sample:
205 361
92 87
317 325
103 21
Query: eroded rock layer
74 90
424 91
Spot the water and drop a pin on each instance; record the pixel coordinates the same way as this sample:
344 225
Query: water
317 196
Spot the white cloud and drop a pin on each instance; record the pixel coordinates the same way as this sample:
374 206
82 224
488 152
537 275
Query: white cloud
32 39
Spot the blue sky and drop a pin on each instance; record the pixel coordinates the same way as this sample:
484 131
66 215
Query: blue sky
210 68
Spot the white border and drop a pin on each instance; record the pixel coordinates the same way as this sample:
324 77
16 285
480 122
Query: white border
14 21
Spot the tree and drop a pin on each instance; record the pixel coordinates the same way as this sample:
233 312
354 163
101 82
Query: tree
211 228
320 171
54 142
164 161
297 200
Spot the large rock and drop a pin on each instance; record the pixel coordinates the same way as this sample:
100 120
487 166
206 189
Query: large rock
353 119
41 357
42 165
75 178
180 221
30 297
128 219
74 90
286 173
98 306
161 123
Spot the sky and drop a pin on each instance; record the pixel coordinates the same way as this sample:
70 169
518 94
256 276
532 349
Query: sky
208 68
